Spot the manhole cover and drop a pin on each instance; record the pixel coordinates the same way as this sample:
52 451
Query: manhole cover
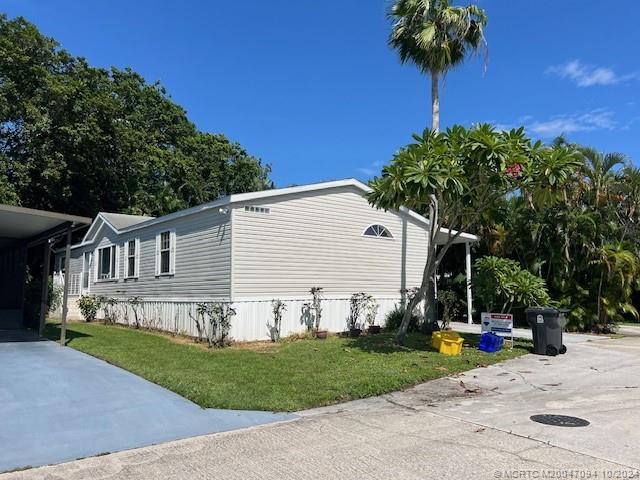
560 420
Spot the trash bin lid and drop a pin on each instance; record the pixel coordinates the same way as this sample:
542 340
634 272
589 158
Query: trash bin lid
541 310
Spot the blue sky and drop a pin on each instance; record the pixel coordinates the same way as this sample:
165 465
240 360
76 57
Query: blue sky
312 88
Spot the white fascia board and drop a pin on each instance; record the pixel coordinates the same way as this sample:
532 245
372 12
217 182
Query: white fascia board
350 182
247 197
181 213
104 221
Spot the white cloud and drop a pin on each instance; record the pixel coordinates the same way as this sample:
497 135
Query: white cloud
589 75
600 119
374 169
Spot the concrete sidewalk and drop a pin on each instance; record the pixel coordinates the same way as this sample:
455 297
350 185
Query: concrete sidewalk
474 425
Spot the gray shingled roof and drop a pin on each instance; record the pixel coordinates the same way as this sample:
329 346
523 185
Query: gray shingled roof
120 220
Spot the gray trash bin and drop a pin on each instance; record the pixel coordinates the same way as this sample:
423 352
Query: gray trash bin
547 325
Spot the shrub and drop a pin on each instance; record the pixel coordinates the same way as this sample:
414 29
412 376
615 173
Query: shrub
54 298
136 304
311 314
502 283
394 319
450 306
371 310
89 306
278 308
316 303
213 322
357 305
108 305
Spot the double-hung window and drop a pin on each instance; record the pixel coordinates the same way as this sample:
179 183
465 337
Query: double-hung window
166 253
107 268
132 265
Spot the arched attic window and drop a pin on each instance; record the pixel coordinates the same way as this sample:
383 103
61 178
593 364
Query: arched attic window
377 230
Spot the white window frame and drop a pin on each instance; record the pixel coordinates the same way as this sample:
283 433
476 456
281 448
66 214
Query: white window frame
136 258
114 263
172 253
364 232
87 272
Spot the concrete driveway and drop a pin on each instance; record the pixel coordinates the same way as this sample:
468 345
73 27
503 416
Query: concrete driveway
474 425
57 404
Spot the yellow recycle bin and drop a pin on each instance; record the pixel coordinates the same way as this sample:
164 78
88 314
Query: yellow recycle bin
448 343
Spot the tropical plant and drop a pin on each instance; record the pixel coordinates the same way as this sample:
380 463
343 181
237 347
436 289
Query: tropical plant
459 178
278 307
450 306
213 322
109 308
599 170
54 299
220 316
584 242
371 310
358 304
500 284
394 318
136 306
436 37
316 305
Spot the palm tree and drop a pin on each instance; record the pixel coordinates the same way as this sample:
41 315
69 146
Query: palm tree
599 170
435 37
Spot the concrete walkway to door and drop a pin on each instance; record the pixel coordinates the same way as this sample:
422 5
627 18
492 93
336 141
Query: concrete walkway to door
58 404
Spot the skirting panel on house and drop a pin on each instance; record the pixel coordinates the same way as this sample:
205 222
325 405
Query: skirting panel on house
252 321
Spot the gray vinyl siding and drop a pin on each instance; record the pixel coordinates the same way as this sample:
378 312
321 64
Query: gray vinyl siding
75 261
202 259
315 239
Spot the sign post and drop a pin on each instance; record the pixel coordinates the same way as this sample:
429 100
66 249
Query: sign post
498 323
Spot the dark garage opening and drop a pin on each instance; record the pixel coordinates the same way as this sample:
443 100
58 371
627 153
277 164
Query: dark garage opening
26 239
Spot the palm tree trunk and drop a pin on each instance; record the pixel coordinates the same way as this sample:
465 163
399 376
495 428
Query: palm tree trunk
600 297
435 103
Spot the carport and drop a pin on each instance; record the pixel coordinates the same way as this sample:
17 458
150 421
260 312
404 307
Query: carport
22 232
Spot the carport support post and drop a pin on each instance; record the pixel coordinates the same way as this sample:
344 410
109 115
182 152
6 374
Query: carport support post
44 297
467 246
67 281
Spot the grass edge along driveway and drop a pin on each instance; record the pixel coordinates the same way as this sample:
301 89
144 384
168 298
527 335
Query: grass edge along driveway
286 376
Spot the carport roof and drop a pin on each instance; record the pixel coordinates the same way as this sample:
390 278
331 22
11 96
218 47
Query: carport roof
19 223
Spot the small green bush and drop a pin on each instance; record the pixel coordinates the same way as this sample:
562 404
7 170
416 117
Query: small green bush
89 306
450 306
394 319
501 284
55 296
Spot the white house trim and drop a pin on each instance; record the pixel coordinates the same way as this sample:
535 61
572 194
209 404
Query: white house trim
230 200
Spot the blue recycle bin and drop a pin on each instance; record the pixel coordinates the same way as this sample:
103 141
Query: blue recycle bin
490 342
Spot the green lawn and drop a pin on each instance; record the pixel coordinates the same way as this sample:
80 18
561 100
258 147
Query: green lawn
287 376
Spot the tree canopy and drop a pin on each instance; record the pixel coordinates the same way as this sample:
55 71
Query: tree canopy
80 139
585 245
436 37
458 178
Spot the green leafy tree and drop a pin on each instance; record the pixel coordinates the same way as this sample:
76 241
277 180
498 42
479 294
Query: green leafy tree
81 139
436 37
585 243
458 178
501 283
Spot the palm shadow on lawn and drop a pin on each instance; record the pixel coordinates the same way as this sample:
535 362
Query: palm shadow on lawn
52 332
